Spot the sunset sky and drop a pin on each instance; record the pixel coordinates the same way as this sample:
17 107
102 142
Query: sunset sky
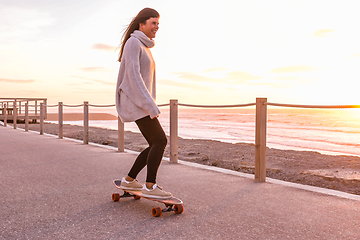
206 52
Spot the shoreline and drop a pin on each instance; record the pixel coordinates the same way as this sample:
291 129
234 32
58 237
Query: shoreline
337 172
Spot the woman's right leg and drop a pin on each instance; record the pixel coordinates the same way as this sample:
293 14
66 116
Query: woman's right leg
130 182
139 163
151 156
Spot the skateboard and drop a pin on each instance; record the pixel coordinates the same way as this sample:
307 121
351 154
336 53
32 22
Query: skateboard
171 204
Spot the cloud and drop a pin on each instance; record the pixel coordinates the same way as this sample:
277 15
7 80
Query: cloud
296 68
19 23
104 47
242 76
172 83
95 69
88 92
193 86
287 78
355 55
16 80
323 33
235 77
215 70
193 77
295 80
96 80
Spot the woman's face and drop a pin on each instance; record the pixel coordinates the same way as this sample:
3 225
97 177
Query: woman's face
150 27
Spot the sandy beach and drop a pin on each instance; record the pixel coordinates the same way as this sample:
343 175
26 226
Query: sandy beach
305 167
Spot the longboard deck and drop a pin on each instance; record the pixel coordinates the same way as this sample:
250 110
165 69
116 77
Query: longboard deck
169 201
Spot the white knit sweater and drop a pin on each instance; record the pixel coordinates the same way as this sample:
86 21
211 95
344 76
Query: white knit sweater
136 84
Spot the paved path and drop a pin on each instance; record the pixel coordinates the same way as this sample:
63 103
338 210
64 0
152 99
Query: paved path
61 189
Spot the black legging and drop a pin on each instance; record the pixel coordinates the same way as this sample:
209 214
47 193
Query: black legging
150 157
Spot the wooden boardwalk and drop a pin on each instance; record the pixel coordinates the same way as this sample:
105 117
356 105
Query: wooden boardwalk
20 118
22 105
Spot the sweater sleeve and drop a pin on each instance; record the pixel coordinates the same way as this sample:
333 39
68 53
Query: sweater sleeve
135 87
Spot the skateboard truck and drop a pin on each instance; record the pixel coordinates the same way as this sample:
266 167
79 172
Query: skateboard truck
168 208
126 194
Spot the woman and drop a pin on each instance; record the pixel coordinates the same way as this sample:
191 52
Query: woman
135 99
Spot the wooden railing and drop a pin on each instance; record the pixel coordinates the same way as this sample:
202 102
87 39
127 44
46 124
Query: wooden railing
260 125
18 108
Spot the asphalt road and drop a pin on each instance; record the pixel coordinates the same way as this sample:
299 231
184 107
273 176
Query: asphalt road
61 189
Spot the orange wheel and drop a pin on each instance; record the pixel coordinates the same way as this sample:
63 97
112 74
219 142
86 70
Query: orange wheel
179 209
136 197
115 197
156 212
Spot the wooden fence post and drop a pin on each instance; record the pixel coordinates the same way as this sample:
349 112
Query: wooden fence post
5 114
45 112
26 117
260 140
174 131
41 118
86 123
121 136
15 114
61 120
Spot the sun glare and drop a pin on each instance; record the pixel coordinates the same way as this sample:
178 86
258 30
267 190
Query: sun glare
350 117
354 113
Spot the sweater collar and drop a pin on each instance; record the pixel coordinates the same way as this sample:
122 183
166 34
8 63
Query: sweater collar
143 38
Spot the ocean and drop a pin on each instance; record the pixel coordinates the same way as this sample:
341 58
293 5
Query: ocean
328 131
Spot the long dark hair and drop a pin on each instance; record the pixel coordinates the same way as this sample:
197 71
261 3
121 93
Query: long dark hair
141 17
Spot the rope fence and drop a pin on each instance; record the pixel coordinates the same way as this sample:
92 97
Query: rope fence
217 106
78 105
260 123
163 105
93 105
312 106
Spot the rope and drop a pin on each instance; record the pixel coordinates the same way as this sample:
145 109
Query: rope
93 105
164 105
80 105
34 105
217 106
311 106
220 106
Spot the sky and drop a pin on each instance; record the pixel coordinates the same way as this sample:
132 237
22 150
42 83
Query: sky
206 52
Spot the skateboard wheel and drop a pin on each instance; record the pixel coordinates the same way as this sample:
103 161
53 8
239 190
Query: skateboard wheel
178 209
115 197
136 197
156 212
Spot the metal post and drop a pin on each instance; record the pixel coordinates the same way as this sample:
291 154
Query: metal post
173 130
61 120
121 136
260 140
14 114
5 115
41 118
86 123
35 107
26 117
